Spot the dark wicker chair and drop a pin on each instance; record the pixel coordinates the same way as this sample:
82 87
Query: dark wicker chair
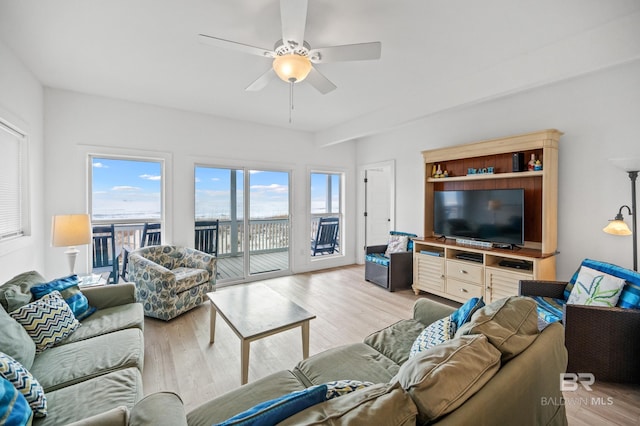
600 340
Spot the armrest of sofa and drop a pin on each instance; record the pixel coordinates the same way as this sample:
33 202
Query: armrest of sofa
159 409
110 295
603 341
427 311
376 249
553 289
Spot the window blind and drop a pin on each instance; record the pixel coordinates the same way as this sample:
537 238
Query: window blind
12 165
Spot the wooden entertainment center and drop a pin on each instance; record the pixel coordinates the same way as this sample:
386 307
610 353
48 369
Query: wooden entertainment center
461 271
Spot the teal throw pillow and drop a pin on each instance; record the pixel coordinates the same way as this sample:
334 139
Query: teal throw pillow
463 314
435 333
47 320
70 291
23 381
276 410
14 409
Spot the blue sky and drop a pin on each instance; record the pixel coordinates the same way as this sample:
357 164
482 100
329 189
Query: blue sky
124 189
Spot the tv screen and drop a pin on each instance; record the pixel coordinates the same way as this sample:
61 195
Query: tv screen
495 215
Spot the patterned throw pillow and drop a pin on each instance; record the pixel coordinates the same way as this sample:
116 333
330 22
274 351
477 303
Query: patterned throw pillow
397 244
435 333
14 409
68 288
342 387
47 320
21 379
595 288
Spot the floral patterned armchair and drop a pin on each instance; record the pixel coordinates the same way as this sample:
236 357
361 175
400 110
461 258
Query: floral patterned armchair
171 280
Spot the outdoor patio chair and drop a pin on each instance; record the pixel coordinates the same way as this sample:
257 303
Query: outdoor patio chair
206 236
104 251
326 236
151 236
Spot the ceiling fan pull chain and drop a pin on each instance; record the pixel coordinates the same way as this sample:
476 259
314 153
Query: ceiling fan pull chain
290 99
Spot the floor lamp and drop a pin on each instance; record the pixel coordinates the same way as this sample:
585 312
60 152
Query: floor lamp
71 230
618 226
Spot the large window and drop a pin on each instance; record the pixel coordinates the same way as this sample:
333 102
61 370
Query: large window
326 204
125 190
13 188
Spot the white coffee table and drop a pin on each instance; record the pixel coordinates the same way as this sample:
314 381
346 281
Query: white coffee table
254 311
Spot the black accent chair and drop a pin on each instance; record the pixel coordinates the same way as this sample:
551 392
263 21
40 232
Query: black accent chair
326 236
151 236
206 236
104 251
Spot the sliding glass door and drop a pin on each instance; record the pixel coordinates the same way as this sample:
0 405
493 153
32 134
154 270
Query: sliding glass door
220 195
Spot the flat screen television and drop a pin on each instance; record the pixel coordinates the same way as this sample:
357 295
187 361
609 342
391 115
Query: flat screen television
495 215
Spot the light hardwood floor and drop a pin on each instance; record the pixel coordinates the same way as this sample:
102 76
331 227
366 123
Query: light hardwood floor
179 358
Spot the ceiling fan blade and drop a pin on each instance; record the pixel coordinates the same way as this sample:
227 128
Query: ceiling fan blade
293 15
233 45
320 82
261 81
347 52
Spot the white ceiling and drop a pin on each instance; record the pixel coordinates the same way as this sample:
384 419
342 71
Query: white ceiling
436 54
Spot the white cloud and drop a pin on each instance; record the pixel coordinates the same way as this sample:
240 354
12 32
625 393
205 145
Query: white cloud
215 179
197 180
125 188
150 177
274 187
99 165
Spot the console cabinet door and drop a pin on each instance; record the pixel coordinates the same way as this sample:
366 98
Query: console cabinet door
429 273
501 283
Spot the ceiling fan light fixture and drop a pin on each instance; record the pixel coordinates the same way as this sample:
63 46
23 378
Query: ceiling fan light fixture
292 67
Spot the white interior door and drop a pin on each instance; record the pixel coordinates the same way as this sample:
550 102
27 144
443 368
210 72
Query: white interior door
378 205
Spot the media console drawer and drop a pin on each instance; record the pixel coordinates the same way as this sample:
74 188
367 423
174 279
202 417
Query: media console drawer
465 271
462 291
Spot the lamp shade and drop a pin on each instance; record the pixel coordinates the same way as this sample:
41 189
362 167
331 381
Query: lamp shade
292 67
617 227
70 230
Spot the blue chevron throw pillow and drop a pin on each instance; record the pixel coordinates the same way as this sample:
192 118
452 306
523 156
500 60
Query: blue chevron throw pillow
435 333
22 380
47 320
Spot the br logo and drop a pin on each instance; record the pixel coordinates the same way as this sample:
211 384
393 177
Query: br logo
570 382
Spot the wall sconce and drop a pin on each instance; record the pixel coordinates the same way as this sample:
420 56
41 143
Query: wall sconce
70 230
617 226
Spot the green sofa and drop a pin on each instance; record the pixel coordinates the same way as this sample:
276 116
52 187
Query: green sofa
95 370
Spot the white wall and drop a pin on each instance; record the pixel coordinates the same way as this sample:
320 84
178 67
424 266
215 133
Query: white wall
74 121
600 116
21 100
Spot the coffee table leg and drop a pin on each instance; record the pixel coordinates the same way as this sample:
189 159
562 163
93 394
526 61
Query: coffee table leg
212 326
244 355
305 340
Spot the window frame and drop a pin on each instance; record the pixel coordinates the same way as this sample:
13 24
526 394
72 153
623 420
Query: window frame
342 213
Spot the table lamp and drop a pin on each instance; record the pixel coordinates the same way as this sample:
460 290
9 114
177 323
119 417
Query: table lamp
617 226
70 230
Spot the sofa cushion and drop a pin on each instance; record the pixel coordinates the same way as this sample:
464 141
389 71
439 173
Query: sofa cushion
435 333
75 362
510 324
122 388
395 341
244 397
380 404
70 291
187 278
444 377
108 320
14 340
24 381
114 417
378 258
16 292
14 409
595 288
358 361
47 320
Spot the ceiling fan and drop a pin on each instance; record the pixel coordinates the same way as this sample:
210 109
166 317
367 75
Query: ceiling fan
293 57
